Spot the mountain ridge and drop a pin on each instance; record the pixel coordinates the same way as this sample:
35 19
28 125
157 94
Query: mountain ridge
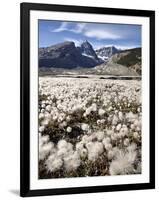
105 61
67 55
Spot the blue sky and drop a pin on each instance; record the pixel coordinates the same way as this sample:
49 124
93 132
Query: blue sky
120 35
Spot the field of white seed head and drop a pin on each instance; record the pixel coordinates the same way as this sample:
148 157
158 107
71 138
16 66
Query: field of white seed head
89 127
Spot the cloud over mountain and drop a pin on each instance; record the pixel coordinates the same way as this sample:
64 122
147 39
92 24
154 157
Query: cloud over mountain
87 30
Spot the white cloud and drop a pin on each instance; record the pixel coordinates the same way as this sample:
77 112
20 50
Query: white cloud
65 26
100 34
87 30
62 27
79 28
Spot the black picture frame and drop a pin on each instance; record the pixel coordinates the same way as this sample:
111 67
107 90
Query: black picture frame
25 9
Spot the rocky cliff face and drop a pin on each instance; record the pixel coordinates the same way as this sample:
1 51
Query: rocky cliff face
67 55
87 50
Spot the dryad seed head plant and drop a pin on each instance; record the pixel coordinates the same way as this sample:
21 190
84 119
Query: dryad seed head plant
89 128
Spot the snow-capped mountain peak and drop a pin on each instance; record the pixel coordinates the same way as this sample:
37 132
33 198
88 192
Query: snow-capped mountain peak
106 52
87 50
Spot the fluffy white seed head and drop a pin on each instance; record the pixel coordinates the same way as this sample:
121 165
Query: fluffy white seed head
41 115
62 144
126 142
110 132
53 163
48 108
99 135
94 150
45 149
85 127
72 162
41 128
108 146
79 146
101 112
69 129
94 107
120 115
118 127
115 120
135 135
106 140
123 163
62 152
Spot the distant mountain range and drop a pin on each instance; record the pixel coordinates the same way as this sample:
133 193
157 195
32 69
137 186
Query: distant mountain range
105 61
